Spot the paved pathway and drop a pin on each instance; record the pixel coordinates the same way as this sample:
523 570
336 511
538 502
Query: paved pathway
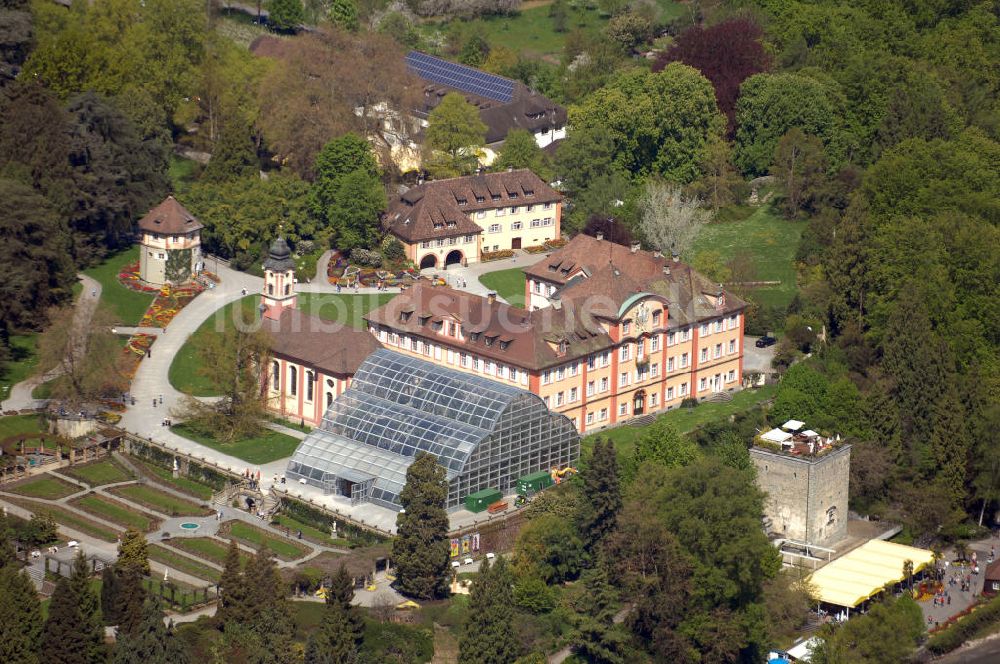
20 395
961 600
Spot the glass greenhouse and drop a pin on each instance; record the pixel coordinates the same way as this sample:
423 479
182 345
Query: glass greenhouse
484 433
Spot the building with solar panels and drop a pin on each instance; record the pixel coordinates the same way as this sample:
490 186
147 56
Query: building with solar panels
504 104
485 434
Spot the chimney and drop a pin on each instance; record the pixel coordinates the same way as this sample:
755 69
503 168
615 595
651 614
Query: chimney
635 247
491 298
599 235
479 170
657 253
510 169
666 269
676 256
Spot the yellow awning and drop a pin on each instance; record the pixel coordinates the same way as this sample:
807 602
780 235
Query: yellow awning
408 604
861 573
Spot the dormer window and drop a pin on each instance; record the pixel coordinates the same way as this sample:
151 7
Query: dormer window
563 347
529 192
463 201
404 316
438 225
451 224
473 336
480 199
504 345
423 318
495 197
436 326
512 194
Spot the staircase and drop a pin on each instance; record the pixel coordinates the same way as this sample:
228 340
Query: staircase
642 420
719 397
37 574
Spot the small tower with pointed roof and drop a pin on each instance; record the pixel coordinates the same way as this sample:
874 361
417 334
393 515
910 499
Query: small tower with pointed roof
279 280
170 244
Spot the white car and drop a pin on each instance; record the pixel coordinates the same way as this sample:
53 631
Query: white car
467 561
72 544
490 556
456 564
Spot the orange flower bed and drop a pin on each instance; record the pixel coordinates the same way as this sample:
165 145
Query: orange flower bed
166 305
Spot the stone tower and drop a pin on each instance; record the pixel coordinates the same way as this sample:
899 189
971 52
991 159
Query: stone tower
279 280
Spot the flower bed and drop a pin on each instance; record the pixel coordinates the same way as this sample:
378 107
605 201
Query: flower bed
536 249
556 243
340 271
166 305
129 277
496 255
211 276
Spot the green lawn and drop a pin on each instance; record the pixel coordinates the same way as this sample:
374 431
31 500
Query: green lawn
266 447
305 265
255 537
16 424
206 547
184 373
770 241
98 473
532 32
44 486
685 419
70 519
112 510
343 308
182 564
309 533
163 476
128 306
182 172
22 363
509 284
160 501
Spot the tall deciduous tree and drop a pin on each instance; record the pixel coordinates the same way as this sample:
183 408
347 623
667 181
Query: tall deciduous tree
725 53
420 549
602 495
490 636
455 135
286 15
550 548
65 638
662 444
232 363
771 104
20 617
670 220
355 210
889 632
234 155
800 166
338 159
521 151
719 182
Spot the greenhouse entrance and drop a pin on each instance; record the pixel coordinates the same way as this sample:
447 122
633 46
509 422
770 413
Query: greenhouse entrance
351 485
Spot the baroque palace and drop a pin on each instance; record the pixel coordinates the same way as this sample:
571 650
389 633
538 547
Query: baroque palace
610 333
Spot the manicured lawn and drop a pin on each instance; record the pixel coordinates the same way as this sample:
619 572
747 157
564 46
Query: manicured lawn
184 374
70 519
112 510
206 547
309 533
263 448
305 265
44 486
164 476
22 363
182 172
127 305
182 564
160 501
343 308
685 419
15 424
99 473
769 240
255 537
509 284
304 428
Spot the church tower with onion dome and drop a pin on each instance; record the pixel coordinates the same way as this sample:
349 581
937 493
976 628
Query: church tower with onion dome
279 280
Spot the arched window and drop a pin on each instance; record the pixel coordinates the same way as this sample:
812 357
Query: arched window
288 289
329 399
831 516
275 376
310 379
293 378
270 289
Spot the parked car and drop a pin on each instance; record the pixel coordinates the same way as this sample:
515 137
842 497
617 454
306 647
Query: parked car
765 341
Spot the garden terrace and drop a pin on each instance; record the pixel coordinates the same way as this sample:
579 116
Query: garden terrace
209 548
69 519
182 563
244 533
98 473
47 487
160 501
116 512
792 438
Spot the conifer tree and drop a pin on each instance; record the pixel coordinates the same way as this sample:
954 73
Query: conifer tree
490 637
109 595
341 594
89 607
334 642
65 639
131 595
421 545
596 639
149 642
20 617
269 616
234 155
133 552
602 493
232 587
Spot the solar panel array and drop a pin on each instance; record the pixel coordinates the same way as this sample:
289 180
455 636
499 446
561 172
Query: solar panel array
461 77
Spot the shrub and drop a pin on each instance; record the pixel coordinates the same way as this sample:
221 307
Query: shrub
959 632
392 249
366 257
689 402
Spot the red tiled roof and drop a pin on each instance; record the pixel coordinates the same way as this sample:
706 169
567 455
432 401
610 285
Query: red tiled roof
170 218
327 346
442 208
